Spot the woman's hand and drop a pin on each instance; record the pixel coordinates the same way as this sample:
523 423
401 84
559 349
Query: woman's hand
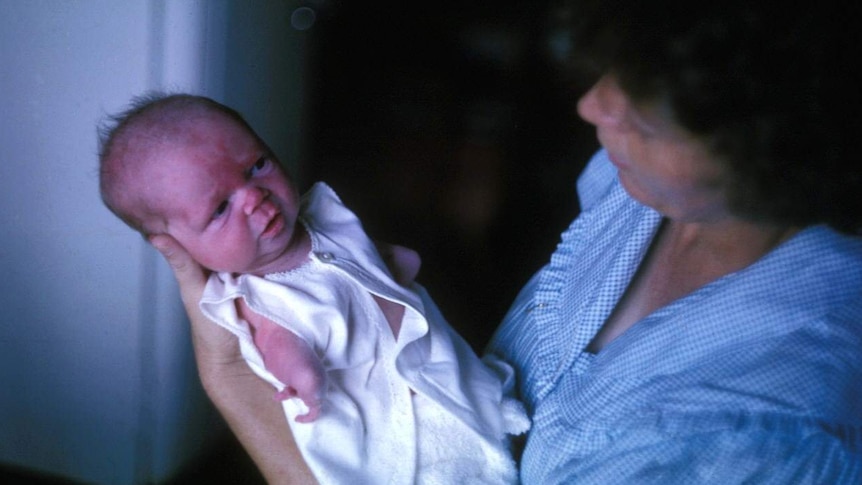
213 345
403 263
243 399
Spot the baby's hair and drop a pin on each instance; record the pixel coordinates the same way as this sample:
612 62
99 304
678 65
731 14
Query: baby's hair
151 117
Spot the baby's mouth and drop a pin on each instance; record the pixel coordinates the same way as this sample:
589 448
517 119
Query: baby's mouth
274 226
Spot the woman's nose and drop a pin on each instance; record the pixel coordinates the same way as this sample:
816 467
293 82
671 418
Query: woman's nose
604 104
252 197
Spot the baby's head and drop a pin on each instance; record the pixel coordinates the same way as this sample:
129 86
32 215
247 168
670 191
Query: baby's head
192 168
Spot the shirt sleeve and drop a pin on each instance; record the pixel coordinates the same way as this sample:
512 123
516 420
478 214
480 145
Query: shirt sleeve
520 340
517 342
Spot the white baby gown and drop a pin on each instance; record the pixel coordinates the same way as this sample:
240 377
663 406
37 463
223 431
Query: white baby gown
372 429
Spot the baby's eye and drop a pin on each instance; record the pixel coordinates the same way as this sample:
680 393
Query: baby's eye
220 210
259 166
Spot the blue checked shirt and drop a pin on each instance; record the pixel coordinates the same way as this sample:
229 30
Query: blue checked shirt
753 378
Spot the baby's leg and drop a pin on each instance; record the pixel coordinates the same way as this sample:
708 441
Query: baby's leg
295 364
290 359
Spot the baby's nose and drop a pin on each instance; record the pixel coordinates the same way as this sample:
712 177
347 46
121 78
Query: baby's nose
252 198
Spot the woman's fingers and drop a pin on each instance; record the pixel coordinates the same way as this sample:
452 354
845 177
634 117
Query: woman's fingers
213 344
403 263
189 274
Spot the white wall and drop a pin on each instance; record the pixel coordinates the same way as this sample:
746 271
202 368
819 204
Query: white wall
96 375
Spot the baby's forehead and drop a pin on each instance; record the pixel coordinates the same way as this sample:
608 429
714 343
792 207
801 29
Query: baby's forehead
159 210
148 146
161 151
146 175
166 131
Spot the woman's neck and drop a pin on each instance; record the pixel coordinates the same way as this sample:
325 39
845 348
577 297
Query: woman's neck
684 257
727 245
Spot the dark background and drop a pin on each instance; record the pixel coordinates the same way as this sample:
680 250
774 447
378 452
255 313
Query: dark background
450 127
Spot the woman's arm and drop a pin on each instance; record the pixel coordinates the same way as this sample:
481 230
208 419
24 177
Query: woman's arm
243 399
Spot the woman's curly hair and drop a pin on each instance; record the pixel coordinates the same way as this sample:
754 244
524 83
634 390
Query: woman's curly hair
774 90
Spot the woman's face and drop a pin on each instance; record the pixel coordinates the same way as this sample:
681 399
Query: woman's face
660 164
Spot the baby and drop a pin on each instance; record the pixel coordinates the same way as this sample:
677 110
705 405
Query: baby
378 388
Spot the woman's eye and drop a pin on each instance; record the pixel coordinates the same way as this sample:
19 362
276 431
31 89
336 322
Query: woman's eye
259 166
220 210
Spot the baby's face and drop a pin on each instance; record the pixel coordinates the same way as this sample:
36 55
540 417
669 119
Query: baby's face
226 199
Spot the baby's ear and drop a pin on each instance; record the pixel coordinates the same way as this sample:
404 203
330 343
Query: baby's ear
403 263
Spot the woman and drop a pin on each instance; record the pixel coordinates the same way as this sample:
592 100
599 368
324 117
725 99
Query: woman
701 320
